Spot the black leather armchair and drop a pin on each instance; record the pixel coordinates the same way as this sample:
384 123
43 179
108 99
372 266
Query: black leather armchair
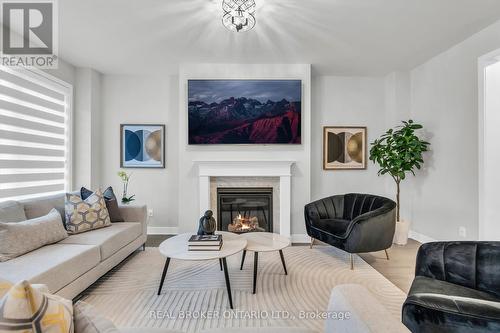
355 223
456 289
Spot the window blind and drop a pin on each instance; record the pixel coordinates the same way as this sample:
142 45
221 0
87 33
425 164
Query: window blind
34 134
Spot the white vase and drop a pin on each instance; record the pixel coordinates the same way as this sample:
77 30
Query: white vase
401 234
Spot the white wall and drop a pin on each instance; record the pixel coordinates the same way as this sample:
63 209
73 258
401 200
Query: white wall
87 128
346 101
188 178
142 100
444 98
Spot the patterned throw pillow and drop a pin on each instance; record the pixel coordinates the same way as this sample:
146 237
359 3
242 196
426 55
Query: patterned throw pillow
111 203
18 238
24 309
89 320
85 215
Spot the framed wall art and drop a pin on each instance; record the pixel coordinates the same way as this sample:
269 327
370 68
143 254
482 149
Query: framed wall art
344 148
260 112
142 146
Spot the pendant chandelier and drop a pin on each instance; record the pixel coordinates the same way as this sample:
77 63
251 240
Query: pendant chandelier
239 15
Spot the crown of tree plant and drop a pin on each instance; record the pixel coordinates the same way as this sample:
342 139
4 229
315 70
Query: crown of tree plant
398 152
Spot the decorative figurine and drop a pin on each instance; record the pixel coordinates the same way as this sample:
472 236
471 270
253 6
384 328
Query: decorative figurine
207 224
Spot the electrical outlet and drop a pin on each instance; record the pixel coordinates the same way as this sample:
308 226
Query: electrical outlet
150 213
462 232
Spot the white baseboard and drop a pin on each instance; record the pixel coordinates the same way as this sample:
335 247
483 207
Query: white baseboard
300 238
419 237
163 230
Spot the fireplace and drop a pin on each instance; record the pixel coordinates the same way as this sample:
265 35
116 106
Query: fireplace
245 209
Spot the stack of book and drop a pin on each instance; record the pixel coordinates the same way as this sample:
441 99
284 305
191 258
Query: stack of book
205 243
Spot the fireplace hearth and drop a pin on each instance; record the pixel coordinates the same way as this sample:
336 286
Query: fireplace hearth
244 209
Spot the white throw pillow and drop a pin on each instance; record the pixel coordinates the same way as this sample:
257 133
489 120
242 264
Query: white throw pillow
18 238
88 320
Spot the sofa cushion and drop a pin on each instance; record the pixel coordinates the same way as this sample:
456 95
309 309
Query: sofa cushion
19 238
110 239
337 227
12 211
41 206
55 265
450 305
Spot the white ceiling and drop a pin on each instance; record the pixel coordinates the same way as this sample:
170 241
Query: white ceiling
339 37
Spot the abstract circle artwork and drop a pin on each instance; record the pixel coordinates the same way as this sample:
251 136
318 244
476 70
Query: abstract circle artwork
344 148
142 146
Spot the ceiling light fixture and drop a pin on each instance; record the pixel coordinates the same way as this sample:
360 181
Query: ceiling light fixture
239 15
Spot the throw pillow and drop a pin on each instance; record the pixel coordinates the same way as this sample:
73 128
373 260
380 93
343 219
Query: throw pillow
84 215
111 203
88 320
18 238
12 211
28 309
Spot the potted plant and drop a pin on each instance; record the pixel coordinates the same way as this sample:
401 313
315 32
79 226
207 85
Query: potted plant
125 180
399 151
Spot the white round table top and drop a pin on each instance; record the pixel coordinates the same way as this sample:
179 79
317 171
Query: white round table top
177 247
265 241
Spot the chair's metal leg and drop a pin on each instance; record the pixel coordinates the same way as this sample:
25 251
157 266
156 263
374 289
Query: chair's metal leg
220 264
312 243
352 261
144 247
386 254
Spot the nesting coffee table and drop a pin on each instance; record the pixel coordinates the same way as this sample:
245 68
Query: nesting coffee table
177 248
263 242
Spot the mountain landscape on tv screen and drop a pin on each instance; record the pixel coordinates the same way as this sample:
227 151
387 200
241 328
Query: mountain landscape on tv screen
245 120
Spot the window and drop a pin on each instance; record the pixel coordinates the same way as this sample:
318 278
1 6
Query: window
35 129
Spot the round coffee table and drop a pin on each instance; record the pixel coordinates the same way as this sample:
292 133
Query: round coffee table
263 242
177 248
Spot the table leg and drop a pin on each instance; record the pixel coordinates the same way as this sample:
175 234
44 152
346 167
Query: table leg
228 285
283 261
243 259
220 264
255 264
165 268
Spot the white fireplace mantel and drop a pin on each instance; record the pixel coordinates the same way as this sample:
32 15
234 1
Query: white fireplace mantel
254 168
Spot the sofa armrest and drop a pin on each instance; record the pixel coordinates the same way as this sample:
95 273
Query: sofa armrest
135 213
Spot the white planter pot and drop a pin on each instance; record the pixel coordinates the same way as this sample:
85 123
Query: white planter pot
401 234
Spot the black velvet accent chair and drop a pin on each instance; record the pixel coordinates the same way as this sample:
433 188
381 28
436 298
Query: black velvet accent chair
355 223
456 289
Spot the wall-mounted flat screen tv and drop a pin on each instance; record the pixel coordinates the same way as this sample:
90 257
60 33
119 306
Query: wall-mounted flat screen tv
244 111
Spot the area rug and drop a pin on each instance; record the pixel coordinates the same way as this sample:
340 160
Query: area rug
194 294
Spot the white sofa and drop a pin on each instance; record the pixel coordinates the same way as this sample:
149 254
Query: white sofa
69 267
366 313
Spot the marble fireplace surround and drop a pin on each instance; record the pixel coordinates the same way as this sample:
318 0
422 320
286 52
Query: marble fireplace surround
212 172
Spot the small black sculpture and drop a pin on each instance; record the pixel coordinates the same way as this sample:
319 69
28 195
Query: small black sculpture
207 224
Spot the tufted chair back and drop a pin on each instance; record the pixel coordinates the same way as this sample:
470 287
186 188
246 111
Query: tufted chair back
470 264
346 207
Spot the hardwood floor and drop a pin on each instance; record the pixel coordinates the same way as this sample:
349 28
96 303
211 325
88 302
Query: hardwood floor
399 269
